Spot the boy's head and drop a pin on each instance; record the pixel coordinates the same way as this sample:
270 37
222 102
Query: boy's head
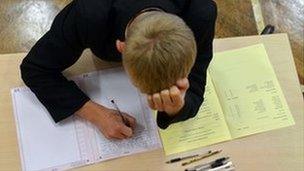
159 49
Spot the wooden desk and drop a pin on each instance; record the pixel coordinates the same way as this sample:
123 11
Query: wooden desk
280 149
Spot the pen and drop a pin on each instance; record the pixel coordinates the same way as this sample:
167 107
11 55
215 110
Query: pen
210 153
229 169
125 121
223 167
212 164
181 158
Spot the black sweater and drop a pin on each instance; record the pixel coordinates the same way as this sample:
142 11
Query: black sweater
96 24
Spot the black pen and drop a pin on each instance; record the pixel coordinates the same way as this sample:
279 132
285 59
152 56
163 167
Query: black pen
181 158
209 165
125 121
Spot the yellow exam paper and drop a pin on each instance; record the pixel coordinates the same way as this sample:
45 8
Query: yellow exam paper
249 91
207 127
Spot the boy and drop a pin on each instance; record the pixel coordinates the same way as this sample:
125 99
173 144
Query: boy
165 47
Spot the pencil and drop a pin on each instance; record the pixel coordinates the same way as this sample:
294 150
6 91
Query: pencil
210 153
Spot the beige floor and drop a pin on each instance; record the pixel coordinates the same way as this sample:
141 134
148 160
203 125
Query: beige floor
288 16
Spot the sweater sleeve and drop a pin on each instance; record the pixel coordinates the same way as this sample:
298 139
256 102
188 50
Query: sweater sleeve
58 49
200 17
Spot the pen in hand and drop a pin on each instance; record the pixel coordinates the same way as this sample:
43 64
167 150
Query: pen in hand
125 121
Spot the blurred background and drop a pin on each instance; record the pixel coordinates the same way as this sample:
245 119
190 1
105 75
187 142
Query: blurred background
23 22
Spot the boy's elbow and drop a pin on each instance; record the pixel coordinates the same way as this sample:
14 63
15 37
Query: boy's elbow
25 72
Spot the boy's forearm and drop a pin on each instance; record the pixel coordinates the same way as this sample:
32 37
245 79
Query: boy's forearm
89 111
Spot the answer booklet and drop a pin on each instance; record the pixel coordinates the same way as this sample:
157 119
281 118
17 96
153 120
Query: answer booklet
45 145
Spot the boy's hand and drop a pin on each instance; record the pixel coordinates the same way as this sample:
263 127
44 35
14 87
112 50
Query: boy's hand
108 121
170 100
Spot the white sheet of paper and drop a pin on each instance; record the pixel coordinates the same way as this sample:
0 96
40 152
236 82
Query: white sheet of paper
42 143
45 145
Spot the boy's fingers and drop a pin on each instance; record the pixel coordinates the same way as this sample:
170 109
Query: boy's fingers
165 96
131 120
150 102
126 131
158 102
116 135
175 95
120 136
183 84
124 136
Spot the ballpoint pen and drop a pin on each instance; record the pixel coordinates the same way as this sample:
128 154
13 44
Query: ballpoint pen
125 121
229 169
223 167
181 158
210 153
212 164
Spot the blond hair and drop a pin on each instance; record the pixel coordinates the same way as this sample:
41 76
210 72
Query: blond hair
160 49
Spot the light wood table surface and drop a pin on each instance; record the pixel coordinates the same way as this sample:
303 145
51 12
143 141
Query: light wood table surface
280 149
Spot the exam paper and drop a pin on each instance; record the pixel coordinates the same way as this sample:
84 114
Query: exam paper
207 127
242 97
249 91
45 145
115 84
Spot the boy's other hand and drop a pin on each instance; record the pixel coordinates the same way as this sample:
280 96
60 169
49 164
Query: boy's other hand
170 100
108 121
